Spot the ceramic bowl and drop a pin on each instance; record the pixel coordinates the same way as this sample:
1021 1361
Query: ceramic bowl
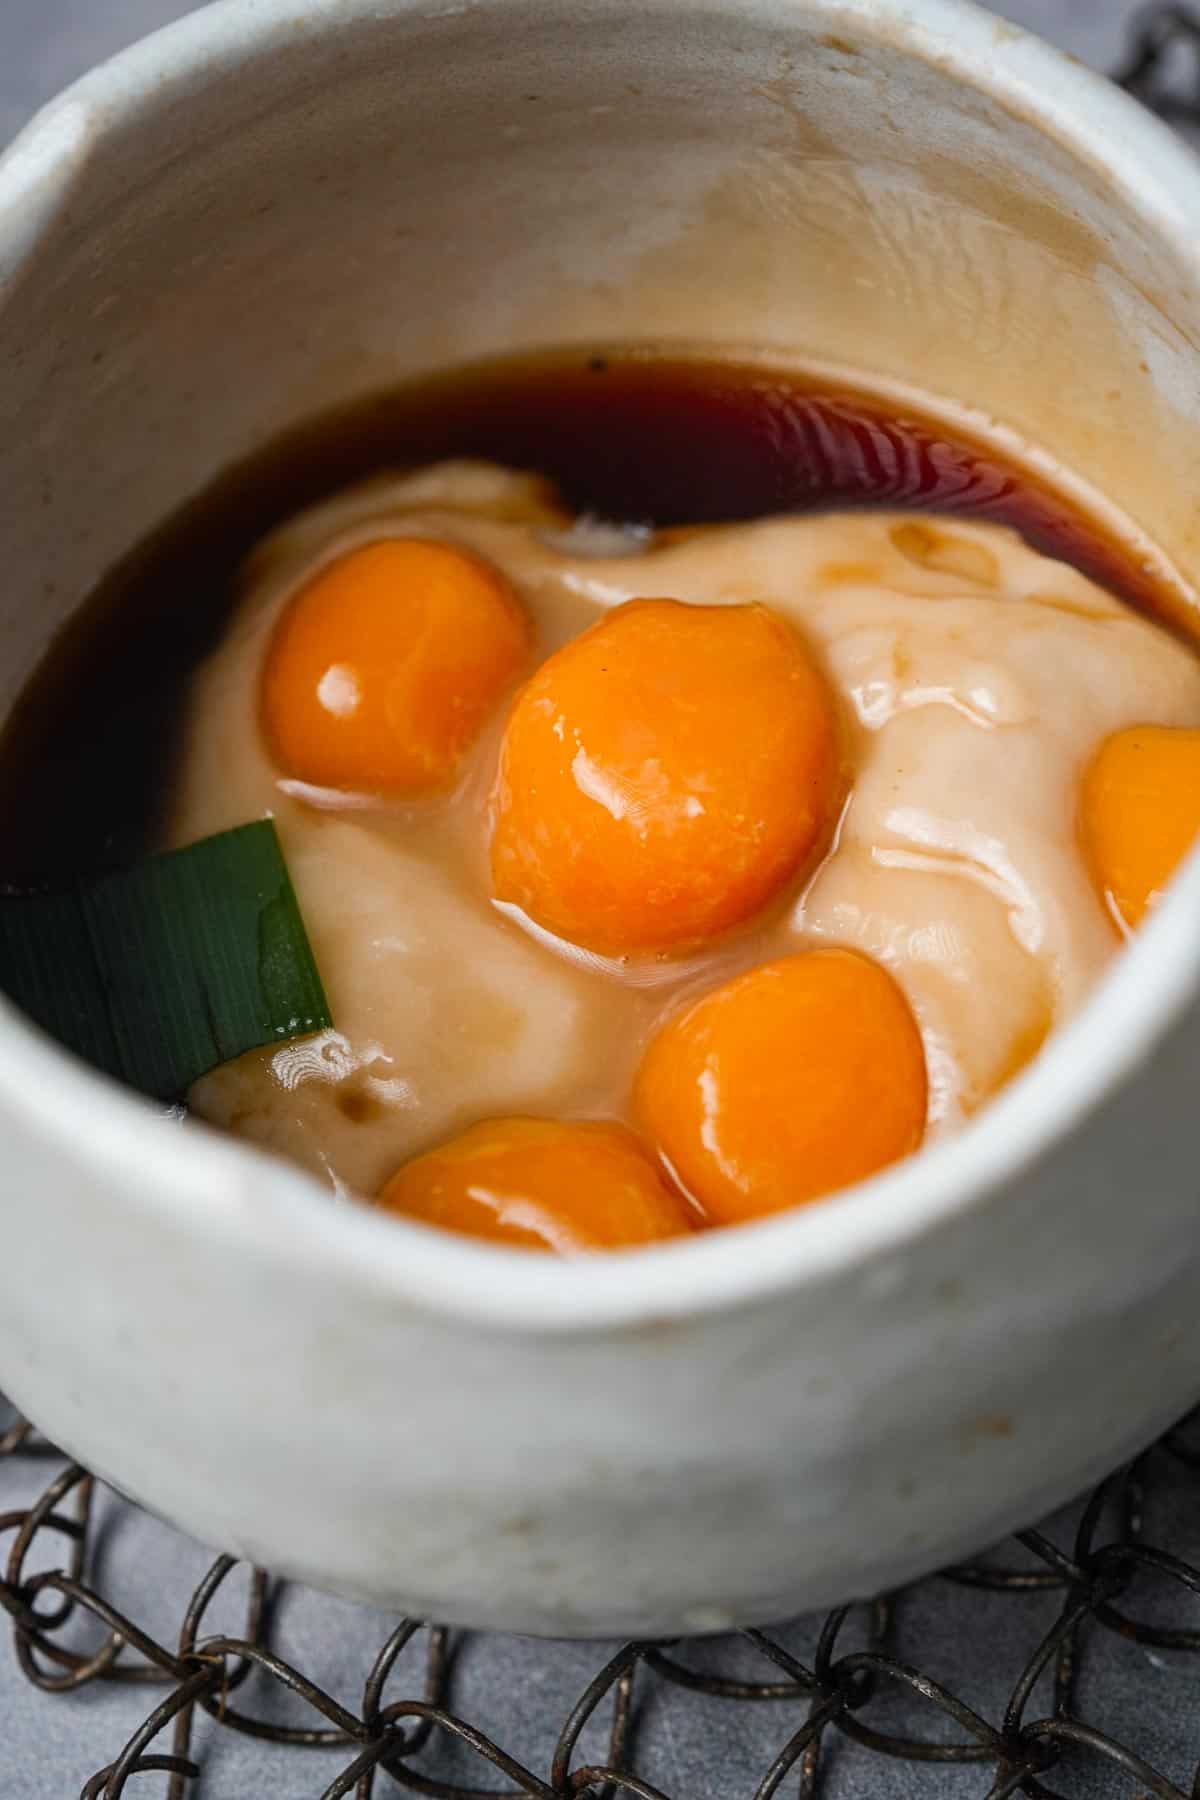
270 208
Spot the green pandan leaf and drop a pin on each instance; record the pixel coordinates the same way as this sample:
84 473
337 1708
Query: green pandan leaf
159 973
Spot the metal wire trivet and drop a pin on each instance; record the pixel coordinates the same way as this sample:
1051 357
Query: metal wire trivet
845 1694
1162 65
841 1693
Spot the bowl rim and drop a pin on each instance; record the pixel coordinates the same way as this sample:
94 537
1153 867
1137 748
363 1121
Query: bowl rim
270 1209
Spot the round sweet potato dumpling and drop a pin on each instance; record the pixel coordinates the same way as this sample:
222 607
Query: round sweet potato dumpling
1140 814
789 1082
663 776
382 671
542 1184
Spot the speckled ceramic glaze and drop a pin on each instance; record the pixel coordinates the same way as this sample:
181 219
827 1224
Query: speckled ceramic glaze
273 206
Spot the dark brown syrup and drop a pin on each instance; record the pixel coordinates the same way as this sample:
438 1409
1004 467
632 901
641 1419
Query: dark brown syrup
87 757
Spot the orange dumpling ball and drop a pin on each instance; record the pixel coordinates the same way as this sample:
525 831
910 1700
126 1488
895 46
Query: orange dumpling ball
788 1082
542 1184
663 776
1140 814
383 670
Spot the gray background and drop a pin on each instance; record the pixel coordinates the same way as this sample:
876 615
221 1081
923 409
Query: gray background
519 1691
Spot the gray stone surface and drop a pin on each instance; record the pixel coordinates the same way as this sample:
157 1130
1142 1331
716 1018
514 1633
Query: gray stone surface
517 1690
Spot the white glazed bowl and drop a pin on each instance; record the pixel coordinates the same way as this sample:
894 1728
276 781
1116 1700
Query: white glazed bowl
272 207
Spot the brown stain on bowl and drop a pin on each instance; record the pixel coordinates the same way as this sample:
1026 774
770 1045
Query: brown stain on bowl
984 1427
522 1526
1036 218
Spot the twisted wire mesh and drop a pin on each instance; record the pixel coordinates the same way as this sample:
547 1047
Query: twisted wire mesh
855 1696
1162 64
392 1734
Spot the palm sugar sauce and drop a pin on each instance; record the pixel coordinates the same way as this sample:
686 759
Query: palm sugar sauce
87 757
